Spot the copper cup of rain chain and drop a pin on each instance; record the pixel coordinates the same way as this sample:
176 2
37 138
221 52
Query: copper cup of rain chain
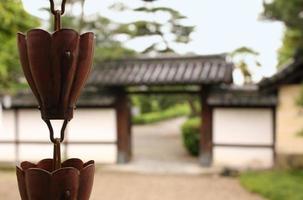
56 67
73 181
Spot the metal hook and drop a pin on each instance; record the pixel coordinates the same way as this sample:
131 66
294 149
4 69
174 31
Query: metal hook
56 142
51 130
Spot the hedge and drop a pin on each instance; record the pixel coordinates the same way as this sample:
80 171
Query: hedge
172 112
191 135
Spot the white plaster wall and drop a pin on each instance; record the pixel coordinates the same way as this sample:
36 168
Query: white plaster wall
32 127
36 152
93 125
98 153
7 129
7 153
97 125
7 133
243 157
243 126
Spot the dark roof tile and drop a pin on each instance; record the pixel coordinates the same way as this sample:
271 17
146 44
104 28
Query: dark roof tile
211 69
246 96
292 72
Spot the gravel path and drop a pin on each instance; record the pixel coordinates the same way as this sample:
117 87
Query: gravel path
158 148
129 186
160 141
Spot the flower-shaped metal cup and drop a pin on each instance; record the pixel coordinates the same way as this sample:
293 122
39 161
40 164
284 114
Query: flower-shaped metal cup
74 181
56 67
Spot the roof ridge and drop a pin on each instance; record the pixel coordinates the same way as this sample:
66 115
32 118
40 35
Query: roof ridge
177 57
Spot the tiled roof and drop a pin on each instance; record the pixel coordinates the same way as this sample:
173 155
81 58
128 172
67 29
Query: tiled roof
246 96
26 99
212 69
292 72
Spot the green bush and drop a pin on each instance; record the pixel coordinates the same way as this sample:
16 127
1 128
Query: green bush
172 112
191 135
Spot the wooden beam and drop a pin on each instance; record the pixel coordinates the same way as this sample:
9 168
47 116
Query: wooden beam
205 156
30 142
274 138
123 127
17 135
244 145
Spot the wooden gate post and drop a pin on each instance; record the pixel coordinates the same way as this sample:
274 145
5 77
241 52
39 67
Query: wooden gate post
123 115
205 156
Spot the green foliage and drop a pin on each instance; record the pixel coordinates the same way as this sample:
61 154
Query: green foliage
155 103
239 57
106 30
113 51
292 41
13 19
172 112
173 13
107 47
191 135
139 29
173 27
290 13
299 100
300 133
145 104
244 50
275 185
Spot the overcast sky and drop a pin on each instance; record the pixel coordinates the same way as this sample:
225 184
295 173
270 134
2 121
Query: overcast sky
221 25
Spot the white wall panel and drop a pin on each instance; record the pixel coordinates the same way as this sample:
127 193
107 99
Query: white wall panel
243 157
97 125
7 126
93 125
87 125
243 126
7 153
99 153
36 152
33 128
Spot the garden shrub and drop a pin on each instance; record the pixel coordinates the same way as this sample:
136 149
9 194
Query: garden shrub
172 112
191 135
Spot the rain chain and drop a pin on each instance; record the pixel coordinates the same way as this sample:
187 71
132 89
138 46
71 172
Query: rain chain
56 66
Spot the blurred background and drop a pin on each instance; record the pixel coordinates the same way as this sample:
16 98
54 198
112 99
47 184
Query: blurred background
186 99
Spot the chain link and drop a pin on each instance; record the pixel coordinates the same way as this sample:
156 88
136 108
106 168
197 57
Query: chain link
53 10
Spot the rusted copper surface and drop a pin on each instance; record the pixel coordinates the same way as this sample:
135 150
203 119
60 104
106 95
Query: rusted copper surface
56 67
57 154
74 181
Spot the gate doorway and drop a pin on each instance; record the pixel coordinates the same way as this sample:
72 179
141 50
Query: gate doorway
201 72
158 148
